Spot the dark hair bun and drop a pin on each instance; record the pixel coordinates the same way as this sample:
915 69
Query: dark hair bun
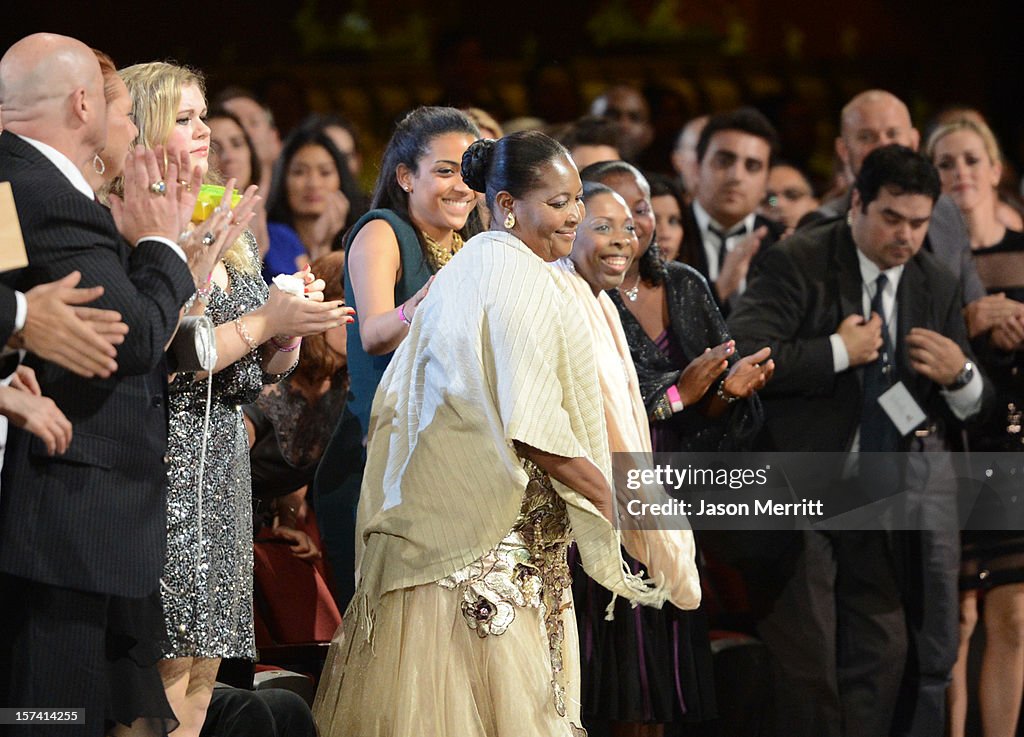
475 162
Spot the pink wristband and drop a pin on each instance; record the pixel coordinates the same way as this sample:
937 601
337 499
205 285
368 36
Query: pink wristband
674 399
287 347
401 314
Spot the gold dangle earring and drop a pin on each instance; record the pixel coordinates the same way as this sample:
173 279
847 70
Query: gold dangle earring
510 221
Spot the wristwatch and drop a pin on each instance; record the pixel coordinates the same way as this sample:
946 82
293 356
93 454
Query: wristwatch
963 378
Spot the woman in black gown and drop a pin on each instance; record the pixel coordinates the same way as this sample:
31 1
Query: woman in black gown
647 667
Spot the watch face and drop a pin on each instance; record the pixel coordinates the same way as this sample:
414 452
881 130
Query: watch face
964 377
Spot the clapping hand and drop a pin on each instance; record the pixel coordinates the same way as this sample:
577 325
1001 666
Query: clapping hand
736 264
313 287
38 415
25 380
703 371
58 328
1009 334
288 314
151 206
330 222
985 313
749 374
206 244
190 180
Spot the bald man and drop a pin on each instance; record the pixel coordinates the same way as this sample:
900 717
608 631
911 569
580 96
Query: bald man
82 534
877 118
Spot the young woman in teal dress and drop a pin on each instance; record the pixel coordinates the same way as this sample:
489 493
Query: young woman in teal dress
420 213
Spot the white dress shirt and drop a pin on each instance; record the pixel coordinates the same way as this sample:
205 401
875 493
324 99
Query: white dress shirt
963 402
713 244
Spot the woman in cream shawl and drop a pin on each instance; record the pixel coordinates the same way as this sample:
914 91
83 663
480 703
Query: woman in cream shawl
488 452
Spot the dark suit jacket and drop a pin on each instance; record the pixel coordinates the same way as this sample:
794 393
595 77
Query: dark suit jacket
8 311
692 250
805 286
947 240
93 519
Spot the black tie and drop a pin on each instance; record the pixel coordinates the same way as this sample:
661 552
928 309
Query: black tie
723 236
877 433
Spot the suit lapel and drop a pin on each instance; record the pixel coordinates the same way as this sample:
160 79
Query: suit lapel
913 312
850 282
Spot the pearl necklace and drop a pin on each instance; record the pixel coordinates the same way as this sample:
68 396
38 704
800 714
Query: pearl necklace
633 291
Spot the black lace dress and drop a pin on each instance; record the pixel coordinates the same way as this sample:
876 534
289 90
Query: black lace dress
993 558
291 435
654 665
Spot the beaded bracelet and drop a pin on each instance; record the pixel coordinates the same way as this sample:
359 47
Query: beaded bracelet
727 398
401 314
244 333
287 347
662 408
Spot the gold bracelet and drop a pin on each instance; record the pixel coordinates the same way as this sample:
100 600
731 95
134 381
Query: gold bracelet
662 408
244 333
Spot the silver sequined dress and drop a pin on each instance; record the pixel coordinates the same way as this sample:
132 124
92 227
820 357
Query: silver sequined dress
207 583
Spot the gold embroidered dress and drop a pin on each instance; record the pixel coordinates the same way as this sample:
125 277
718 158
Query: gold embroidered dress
462 622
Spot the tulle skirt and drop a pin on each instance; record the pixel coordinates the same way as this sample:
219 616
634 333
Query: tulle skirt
423 670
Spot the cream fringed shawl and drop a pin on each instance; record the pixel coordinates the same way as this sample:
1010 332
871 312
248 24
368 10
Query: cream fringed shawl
669 554
498 352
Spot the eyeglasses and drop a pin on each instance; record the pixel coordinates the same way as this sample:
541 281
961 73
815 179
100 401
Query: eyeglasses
791 194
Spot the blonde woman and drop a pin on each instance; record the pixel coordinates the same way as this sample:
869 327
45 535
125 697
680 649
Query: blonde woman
206 588
992 564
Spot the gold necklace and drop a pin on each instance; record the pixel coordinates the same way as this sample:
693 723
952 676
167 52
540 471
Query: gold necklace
437 254
633 291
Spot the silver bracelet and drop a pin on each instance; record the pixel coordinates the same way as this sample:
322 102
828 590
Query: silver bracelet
727 398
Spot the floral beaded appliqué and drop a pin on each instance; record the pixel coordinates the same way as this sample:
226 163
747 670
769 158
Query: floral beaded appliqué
527 568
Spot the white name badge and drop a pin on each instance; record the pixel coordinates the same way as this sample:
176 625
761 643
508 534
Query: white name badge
902 408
